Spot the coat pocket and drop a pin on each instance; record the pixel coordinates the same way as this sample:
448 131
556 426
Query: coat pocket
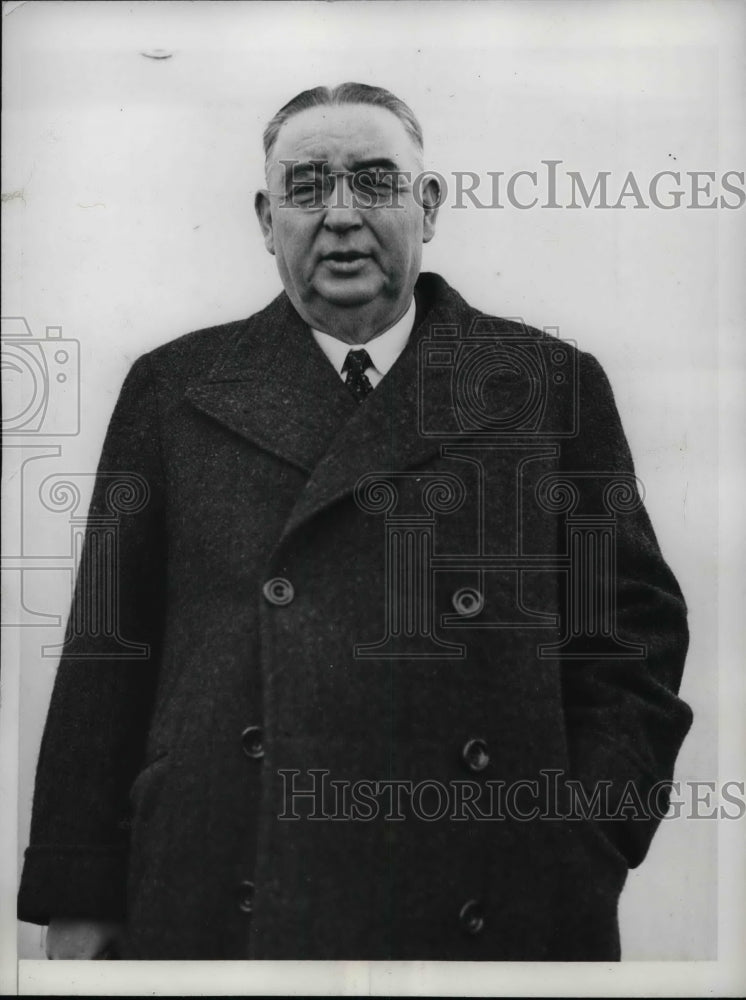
598 844
153 766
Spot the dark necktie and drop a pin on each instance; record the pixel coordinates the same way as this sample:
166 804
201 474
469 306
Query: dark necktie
357 381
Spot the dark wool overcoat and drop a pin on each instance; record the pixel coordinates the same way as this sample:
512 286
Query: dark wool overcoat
441 612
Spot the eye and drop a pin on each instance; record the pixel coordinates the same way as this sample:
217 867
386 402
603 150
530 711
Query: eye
374 180
306 194
373 187
384 180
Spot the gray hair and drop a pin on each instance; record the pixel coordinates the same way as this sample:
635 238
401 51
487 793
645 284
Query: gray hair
344 93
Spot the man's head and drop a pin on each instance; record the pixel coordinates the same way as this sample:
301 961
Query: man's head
342 213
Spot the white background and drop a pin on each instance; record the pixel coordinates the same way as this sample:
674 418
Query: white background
128 192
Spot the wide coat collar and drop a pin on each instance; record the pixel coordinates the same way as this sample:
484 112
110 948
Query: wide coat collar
274 387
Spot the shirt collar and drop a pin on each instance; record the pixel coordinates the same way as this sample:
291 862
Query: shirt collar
383 349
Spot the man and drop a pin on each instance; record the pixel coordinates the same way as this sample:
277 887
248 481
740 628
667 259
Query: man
352 582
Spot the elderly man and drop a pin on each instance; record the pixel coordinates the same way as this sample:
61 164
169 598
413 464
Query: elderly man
392 659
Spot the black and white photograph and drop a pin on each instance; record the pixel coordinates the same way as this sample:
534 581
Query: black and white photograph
373 407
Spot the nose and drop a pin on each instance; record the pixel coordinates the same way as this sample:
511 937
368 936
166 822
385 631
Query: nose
341 213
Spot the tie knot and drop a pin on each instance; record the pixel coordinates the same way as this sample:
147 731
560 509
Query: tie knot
356 380
357 361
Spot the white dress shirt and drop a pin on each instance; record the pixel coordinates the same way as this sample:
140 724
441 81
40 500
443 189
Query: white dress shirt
383 349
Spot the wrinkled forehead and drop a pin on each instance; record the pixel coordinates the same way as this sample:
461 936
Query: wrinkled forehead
343 136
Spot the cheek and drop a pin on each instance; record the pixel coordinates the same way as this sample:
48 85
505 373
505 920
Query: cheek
400 233
292 241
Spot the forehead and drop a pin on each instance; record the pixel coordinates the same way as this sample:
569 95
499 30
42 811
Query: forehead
345 134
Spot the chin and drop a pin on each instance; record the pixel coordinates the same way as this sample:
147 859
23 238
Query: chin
348 292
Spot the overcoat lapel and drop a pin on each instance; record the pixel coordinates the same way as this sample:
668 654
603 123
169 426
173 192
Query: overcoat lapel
275 387
384 433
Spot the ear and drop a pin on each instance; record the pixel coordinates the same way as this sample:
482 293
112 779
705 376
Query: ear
264 215
431 198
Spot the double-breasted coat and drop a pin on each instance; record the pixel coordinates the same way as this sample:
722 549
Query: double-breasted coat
449 590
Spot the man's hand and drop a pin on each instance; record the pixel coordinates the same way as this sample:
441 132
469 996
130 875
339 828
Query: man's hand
67 938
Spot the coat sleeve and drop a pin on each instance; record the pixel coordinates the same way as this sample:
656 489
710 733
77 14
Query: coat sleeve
76 863
625 722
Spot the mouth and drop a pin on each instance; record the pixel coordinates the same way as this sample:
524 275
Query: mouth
345 256
345 261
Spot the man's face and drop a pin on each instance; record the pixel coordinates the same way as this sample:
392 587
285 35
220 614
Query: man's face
346 259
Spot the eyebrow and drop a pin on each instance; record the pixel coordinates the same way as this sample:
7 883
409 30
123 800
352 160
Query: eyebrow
312 166
383 162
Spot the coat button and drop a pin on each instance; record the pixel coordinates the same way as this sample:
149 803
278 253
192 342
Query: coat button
245 895
278 591
252 742
474 755
468 601
471 917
